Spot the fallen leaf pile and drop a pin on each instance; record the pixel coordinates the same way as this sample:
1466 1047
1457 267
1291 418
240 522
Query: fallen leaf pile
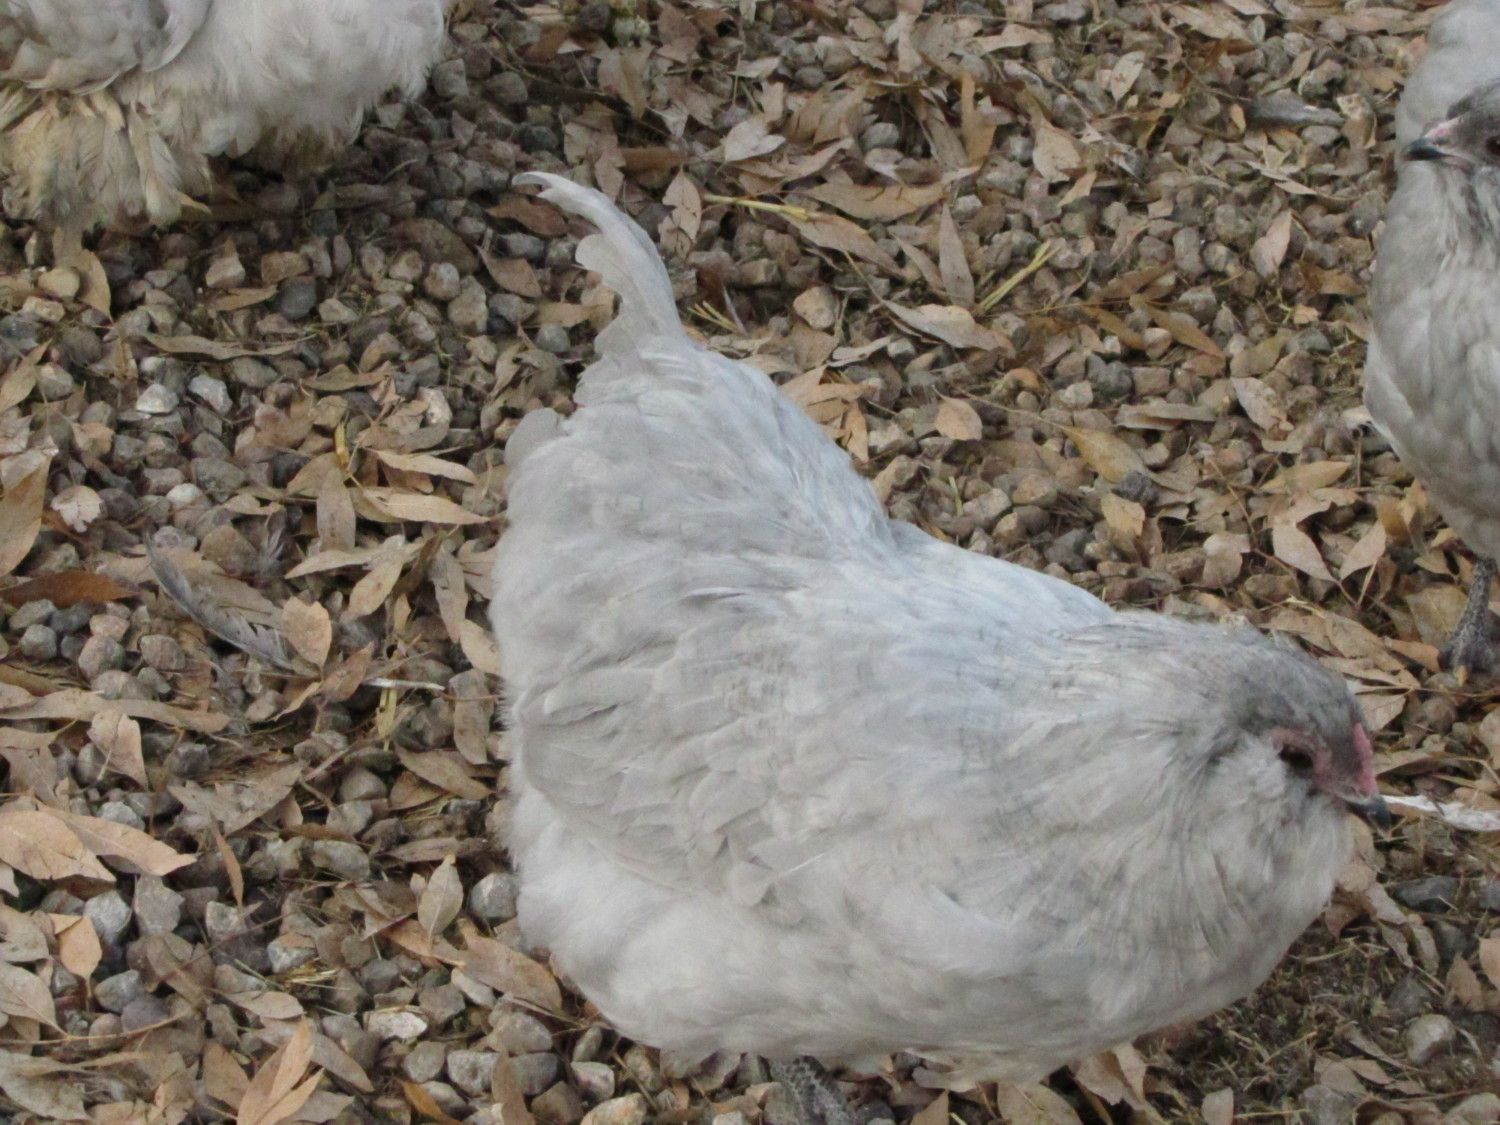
1079 283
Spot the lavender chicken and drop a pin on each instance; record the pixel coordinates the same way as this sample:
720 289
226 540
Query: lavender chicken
1432 376
797 779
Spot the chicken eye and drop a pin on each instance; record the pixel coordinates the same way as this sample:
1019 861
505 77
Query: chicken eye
1297 757
1492 148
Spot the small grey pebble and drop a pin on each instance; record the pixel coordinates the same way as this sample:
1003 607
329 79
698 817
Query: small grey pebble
157 399
298 297
32 613
287 954
143 1012
425 1062
1431 894
1488 897
493 898
1427 1036
38 644
158 908
346 860
509 88
553 338
595 1080
534 1073
441 1003
211 391
110 914
471 1070
113 993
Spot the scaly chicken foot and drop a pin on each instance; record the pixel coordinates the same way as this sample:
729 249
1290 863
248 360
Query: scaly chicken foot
1472 646
816 1095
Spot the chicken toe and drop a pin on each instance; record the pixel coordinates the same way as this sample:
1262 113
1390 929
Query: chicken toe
1472 647
815 1094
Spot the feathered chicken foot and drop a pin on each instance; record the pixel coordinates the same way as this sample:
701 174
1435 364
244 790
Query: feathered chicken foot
1471 648
816 1095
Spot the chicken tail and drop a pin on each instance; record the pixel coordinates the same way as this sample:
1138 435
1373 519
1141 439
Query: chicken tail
624 256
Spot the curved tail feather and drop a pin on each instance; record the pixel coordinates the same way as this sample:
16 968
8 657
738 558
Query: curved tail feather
624 256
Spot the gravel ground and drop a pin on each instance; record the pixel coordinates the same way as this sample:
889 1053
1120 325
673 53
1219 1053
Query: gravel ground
1079 284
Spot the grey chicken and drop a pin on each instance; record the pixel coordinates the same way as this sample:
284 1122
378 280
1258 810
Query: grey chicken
109 109
797 779
1463 53
1432 375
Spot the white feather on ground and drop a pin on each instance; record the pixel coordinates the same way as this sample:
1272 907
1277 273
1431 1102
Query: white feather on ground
794 778
110 109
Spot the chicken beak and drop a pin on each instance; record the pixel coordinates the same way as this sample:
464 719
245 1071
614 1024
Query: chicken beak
1433 144
1372 810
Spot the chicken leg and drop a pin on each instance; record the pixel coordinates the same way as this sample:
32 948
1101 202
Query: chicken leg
816 1095
1471 648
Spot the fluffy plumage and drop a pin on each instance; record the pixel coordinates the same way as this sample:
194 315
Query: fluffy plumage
1463 52
1432 374
795 778
109 109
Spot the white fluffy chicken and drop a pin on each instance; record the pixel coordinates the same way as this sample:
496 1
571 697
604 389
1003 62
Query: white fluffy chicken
797 779
110 109
1432 374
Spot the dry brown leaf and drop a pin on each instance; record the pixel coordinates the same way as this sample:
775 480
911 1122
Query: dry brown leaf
67 588
1295 547
224 1079
25 994
40 845
503 969
953 264
269 1004
950 324
1054 154
308 629
425 1104
387 504
446 770
876 203
1366 552
75 705
21 517
1489 959
505 1089
1270 248
1212 22
1033 1104
750 139
41 1086
335 515
441 899
1260 403
833 232
213 349
119 737
237 803
78 945
1113 458
129 848
959 420
278 1090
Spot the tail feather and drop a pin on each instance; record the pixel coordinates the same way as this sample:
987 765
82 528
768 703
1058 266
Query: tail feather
625 257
